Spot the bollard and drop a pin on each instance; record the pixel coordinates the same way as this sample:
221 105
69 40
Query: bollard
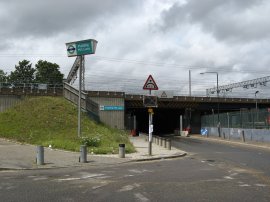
40 155
83 157
223 135
160 141
243 136
150 148
164 142
121 150
168 144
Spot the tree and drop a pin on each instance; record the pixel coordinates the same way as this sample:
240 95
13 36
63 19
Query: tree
23 73
47 72
3 76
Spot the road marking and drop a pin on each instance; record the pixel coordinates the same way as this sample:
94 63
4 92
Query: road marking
69 179
233 174
261 185
141 197
244 185
128 187
91 175
139 171
128 175
99 186
40 178
228 178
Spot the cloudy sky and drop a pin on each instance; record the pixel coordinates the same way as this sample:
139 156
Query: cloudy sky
165 38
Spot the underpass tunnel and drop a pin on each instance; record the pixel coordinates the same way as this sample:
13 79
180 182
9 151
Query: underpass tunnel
165 120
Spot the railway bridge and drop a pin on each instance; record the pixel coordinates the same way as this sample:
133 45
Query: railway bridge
127 111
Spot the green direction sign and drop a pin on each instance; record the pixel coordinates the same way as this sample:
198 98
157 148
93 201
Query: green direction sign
84 47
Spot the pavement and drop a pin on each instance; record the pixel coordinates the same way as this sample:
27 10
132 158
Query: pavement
14 155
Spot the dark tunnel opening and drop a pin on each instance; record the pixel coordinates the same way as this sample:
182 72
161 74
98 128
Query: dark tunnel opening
165 120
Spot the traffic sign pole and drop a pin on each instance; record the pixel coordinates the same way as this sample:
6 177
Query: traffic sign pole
150 135
150 84
80 97
150 131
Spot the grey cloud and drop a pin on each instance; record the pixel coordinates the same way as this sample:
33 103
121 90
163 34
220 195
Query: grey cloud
231 20
39 18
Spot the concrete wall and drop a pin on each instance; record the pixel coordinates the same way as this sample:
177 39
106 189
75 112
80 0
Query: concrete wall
7 101
114 119
257 135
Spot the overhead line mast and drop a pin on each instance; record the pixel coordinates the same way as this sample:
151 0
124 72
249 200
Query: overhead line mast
245 84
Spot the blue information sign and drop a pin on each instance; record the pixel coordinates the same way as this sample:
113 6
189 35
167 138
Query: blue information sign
112 108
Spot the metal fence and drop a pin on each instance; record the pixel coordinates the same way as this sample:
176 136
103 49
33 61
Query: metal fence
31 89
253 119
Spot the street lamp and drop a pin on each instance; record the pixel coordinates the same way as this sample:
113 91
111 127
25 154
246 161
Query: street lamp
256 99
256 104
217 97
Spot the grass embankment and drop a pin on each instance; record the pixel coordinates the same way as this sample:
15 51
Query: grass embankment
53 121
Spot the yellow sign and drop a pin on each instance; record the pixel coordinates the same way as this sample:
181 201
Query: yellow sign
150 110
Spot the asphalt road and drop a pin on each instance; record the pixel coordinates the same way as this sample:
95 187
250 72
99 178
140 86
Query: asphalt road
211 172
233 154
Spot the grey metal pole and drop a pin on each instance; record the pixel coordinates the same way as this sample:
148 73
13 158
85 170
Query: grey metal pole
228 121
150 132
256 104
181 124
168 144
164 142
150 135
83 156
219 129
243 136
134 124
40 155
122 150
189 82
79 98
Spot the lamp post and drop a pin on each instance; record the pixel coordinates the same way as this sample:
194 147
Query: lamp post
256 99
217 97
256 102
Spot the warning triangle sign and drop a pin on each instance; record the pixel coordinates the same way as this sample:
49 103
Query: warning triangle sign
163 95
150 84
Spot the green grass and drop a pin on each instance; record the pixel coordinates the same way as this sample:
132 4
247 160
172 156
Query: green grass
53 121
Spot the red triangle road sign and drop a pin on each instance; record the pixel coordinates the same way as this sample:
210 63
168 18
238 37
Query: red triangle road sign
150 84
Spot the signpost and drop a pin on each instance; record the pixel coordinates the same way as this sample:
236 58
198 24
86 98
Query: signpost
150 84
81 48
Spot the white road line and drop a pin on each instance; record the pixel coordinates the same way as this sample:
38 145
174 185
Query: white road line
244 185
128 187
141 197
261 185
228 178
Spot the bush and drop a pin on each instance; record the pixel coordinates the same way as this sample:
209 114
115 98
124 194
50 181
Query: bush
91 141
